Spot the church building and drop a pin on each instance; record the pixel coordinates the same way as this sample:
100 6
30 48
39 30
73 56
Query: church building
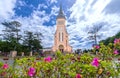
61 41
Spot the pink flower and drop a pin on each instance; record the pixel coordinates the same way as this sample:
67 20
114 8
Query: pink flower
116 41
5 66
97 46
116 52
31 71
48 59
95 62
78 76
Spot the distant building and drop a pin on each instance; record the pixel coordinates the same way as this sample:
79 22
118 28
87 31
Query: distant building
48 49
61 41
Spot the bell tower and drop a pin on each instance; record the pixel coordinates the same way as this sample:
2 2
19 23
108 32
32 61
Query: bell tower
61 41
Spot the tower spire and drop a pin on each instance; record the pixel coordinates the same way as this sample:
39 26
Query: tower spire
61 12
61 15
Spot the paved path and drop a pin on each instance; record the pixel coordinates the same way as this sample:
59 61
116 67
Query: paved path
10 61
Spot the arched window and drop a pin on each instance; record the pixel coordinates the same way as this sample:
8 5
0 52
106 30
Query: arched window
66 42
60 36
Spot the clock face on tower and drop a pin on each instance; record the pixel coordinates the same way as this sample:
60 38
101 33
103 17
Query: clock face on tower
60 22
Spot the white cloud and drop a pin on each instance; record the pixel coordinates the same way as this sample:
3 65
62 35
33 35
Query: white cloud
6 11
49 2
53 1
85 14
6 8
35 22
54 10
40 17
22 3
32 23
42 6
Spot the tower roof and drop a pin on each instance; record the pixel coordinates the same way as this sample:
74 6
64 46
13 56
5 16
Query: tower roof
61 14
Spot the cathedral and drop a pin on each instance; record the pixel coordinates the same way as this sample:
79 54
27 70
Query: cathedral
61 41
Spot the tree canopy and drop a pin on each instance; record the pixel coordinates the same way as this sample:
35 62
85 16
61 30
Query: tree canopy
111 39
12 40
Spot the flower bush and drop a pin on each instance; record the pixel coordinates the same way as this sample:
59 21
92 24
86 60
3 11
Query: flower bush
86 65
117 45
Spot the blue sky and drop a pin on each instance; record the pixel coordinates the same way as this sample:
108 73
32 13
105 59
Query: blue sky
40 16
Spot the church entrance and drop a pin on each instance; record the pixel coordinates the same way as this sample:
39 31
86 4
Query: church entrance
61 48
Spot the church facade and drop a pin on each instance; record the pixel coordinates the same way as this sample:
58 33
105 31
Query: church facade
61 41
